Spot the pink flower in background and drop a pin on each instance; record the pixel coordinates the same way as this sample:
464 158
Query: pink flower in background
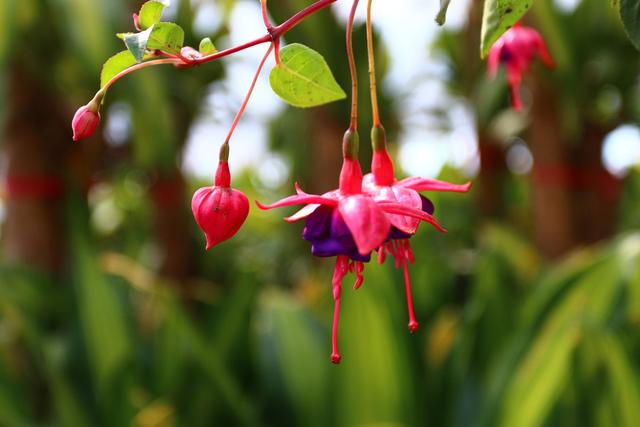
516 49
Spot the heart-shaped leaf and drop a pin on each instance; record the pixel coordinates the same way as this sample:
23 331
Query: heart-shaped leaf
303 78
166 36
150 13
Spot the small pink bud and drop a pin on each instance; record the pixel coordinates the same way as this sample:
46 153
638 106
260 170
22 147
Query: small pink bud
190 53
189 57
220 210
84 122
87 118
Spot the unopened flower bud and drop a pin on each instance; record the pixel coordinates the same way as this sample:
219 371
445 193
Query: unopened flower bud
189 57
220 210
87 118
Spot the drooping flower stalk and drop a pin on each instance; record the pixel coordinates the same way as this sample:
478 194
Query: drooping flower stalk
372 69
353 123
243 106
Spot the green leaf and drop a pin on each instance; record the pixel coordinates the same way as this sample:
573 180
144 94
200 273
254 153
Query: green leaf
150 13
117 63
207 47
166 36
498 17
630 14
303 78
101 312
137 42
442 14
541 377
623 379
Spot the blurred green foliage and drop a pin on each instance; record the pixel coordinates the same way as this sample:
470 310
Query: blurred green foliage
507 338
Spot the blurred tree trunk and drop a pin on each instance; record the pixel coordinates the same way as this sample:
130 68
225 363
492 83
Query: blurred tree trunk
171 226
489 194
574 196
597 195
552 213
36 141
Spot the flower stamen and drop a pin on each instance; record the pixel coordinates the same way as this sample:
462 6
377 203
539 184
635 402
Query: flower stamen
340 270
413 323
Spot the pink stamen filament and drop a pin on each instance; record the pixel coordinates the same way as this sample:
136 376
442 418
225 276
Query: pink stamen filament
413 323
358 268
335 353
340 270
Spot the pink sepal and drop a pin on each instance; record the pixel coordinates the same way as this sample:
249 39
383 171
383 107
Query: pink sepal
395 208
427 184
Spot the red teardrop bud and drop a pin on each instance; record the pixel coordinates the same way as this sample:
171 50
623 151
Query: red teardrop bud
220 210
84 122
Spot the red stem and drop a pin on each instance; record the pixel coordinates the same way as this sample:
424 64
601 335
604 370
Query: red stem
274 34
295 19
138 67
265 16
246 98
264 39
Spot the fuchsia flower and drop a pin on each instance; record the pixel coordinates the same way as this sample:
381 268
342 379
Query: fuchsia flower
382 186
516 49
347 223
220 210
